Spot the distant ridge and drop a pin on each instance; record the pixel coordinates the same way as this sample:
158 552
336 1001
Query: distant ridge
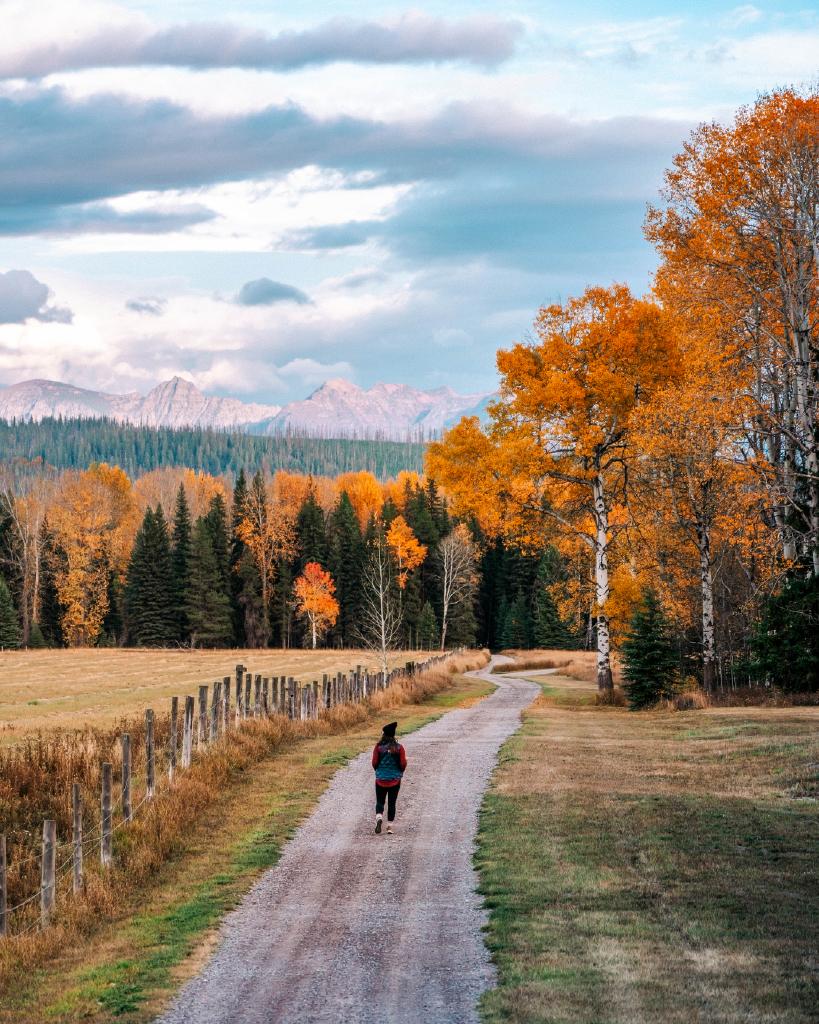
337 409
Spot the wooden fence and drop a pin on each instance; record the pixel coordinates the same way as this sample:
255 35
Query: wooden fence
254 697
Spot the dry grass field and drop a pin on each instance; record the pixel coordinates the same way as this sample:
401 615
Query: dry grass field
579 665
656 866
68 689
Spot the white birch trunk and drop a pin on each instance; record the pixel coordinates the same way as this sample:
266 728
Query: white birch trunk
601 581
707 596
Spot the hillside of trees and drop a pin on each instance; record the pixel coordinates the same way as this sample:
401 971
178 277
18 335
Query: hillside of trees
77 443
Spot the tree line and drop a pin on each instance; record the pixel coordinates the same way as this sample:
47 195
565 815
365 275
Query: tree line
59 443
668 445
180 558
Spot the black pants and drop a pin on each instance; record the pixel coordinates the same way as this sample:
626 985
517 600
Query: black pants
388 793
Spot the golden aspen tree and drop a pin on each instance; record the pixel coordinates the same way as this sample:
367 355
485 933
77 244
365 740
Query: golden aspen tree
557 444
365 493
738 229
92 520
267 529
406 549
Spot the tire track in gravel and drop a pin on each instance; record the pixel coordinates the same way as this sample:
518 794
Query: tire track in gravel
354 928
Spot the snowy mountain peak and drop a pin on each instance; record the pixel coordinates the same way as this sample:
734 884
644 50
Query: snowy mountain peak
338 408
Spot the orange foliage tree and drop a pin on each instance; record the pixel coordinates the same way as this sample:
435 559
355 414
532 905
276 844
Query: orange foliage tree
739 231
556 450
314 591
406 549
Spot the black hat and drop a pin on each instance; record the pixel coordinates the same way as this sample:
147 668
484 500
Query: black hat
389 730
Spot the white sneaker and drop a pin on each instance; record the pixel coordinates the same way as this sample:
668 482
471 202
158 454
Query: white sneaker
389 830
378 819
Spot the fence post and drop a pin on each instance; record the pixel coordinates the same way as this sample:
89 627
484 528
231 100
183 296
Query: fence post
291 697
105 818
187 732
215 710
76 836
126 776
172 739
248 683
47 883
202 729
3 884
266 697
226 700
240 690
257 696
150 760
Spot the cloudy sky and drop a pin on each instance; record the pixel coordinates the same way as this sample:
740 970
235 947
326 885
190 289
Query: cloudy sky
262 196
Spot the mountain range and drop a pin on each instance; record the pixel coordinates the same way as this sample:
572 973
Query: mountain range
336 409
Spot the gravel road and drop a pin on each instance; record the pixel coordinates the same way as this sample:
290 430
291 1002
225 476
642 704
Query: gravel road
354 928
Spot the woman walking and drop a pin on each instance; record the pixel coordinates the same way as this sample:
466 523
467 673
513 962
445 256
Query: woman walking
389 761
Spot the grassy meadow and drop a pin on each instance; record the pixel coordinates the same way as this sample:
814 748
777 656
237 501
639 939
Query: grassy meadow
658 866
77 688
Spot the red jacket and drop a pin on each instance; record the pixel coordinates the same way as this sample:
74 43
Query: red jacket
392 764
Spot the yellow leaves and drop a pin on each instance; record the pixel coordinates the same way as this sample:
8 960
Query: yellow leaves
160 487
464 464
396 490
598 356
92 519
406 549
267 527
364 492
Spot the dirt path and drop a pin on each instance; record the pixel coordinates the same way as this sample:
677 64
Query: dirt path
353 928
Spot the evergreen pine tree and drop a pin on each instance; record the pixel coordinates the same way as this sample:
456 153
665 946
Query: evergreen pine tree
50 611
181 562
345 562
388 512
250 601
113 624
649 655
149 590
548 628
36 640
462 628
518 625
785 643
207 605
285 627
428 633
311 532
501 624
412 601
216 522
9 621
240 567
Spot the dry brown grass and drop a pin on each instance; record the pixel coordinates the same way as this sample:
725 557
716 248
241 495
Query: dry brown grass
653 867
580 665
67 689
36 783
761 696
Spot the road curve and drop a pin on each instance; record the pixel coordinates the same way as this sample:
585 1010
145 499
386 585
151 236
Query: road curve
354 928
